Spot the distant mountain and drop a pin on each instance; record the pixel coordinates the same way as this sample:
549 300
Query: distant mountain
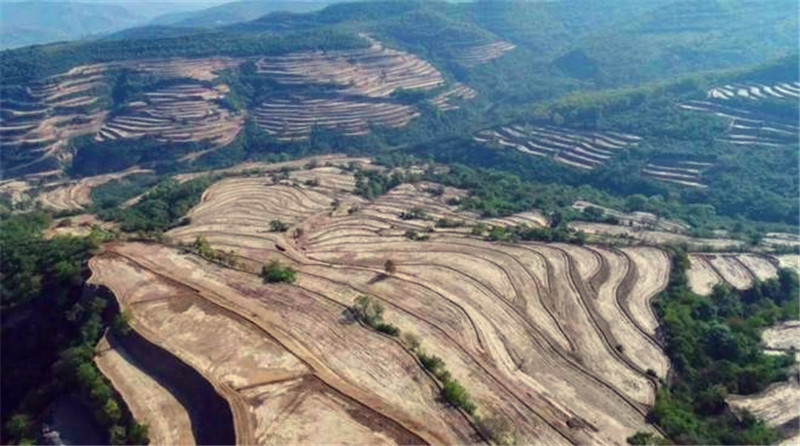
35 22
238 11
31 22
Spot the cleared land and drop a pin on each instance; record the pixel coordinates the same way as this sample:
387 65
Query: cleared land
180 113
581 149
748 125
167 420
375 71
473 55
517 324
36 120
458 92
736 270
294 119
71 195
685 173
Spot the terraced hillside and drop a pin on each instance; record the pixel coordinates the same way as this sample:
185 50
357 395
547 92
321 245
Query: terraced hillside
473 55
180 113
293 119
736 270
754 91
751 125
683 172
458 91
581 149
517 324
375 71
359 78
38 119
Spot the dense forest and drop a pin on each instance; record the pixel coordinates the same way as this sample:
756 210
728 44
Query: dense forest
50 326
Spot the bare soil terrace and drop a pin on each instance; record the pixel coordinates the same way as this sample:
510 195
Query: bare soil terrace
554 338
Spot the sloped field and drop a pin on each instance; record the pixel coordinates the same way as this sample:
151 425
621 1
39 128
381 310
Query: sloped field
637 219
783 337
181 113
37 119
293 119
150 402
618 233
685 173
375 71
458 91
289 364
556 339
581 149
750 125
70 195
777 404
473 55
736 270
754 91
359 78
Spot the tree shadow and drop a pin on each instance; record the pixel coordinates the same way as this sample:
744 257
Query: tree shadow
378 278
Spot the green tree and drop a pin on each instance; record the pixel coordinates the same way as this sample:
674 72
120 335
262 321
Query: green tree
274 272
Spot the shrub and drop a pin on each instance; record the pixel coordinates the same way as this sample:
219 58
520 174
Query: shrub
370 312
646 438
122 323
412 341
448 223
275 273
415 213
387 328
431 362
278 226
500 430
457 395
416 236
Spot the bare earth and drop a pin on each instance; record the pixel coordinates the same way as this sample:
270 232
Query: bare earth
554 338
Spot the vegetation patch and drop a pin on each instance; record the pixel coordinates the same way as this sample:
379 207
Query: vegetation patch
43 281
161 208
714 344
274 272
370 312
